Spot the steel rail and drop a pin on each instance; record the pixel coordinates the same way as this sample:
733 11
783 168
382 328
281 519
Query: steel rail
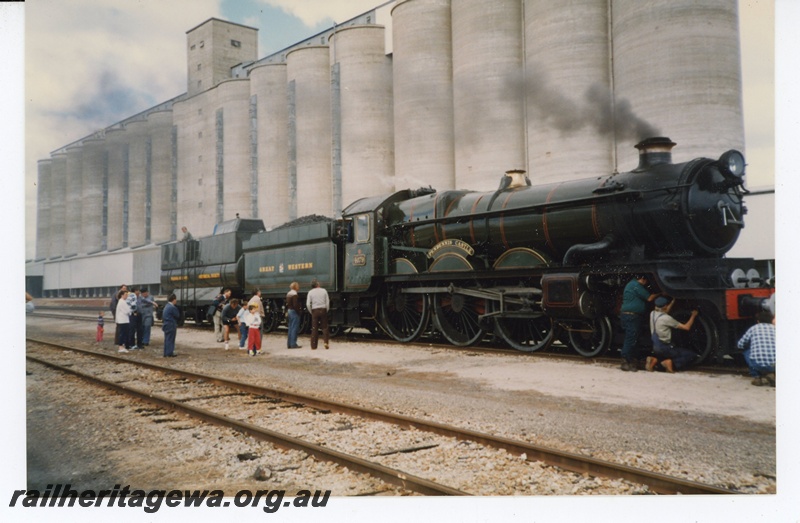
389 475
657 482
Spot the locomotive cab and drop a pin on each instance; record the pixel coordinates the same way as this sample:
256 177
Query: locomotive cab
366 251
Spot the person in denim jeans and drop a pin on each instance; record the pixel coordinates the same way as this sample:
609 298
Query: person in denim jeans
146 305
758 344
294 310
633 315
243 328
169 324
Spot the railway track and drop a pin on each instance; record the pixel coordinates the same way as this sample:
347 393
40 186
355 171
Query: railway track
354 417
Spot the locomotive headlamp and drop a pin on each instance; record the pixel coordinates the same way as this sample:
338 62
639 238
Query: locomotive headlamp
732 164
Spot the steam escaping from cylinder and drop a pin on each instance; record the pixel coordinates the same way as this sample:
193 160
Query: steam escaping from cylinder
596 109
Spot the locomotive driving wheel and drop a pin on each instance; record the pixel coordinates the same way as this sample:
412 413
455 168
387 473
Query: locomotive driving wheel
702 339
457 317
404 316
527 334
590 338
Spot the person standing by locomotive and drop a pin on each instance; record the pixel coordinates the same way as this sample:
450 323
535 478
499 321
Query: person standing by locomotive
100 327
632 317
113 305
661 324
122 318
758 344
256 300
147 306
243 328
134 328
253 319
169 324
230 321
293 311
318 303
216 308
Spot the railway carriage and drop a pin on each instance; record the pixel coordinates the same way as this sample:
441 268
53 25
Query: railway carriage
195 270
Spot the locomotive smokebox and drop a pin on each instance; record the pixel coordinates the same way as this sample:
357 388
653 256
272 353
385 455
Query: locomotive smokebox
654 151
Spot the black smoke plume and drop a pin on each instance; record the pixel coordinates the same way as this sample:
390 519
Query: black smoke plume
594 109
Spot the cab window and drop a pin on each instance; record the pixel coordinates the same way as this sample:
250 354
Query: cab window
362 228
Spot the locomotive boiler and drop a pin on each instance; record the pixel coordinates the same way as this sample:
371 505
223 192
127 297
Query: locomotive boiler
658 210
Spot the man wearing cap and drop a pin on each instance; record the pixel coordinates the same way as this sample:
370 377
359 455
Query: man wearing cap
661 324
633 314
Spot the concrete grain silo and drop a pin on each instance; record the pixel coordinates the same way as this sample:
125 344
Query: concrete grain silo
363 130
195 119
117 147
72 194
678 65
423 94
233 150
45 201
58 203
487 94
309 96
568 90
139 144
268 86
93 215
162 195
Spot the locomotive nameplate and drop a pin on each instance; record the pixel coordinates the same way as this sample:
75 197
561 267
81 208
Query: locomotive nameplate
445 246
360 260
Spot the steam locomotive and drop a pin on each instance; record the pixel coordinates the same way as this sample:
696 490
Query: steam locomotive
525 264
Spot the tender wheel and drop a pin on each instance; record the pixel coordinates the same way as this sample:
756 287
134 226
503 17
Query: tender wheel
526 334
590 338
273 316
305 323
199 315
702 339
456 317
335 330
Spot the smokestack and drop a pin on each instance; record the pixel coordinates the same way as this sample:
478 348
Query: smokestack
654 151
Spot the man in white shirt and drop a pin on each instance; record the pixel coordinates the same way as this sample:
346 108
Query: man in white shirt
318 303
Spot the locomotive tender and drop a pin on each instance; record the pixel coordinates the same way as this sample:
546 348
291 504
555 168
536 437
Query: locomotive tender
526 264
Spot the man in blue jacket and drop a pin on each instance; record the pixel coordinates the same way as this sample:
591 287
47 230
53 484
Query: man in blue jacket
170 319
